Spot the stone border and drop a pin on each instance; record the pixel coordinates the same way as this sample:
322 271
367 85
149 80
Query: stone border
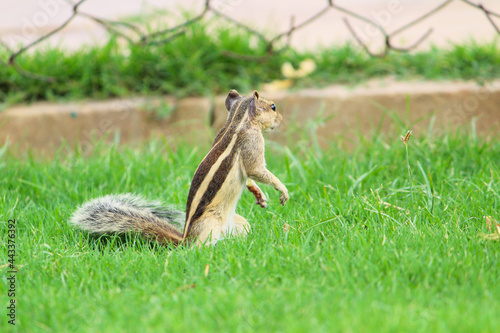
433 107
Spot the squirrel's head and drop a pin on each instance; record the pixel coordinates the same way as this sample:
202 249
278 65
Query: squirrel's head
261 112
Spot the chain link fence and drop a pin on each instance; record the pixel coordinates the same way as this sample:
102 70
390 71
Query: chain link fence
139 35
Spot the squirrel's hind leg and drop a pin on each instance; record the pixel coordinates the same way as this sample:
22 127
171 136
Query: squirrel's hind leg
212 231
207 232
241 225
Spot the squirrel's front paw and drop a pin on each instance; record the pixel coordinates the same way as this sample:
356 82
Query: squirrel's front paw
284 197
261 200
260 197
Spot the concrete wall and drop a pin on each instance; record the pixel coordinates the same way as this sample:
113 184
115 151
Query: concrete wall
349 112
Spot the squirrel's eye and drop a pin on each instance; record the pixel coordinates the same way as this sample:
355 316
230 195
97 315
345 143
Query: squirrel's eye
273 107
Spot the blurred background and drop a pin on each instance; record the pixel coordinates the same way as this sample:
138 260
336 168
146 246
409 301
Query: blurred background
168 65
25 20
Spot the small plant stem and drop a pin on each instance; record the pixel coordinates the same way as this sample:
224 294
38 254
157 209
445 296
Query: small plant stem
411 181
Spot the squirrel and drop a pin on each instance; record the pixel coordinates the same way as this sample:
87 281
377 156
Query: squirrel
235 161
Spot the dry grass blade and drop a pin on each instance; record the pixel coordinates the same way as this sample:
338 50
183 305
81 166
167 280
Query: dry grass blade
491 225
406 138
187 287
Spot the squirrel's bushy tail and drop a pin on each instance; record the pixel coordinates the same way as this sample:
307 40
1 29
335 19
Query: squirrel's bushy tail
123 213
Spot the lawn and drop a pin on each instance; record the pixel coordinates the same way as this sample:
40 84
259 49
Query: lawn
367 248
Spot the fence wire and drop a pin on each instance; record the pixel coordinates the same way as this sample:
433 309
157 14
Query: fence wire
136 34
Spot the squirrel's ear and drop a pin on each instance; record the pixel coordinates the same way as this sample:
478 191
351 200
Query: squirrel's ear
232 98
252 108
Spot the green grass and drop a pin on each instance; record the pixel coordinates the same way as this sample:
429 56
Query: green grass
349 262
197 64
